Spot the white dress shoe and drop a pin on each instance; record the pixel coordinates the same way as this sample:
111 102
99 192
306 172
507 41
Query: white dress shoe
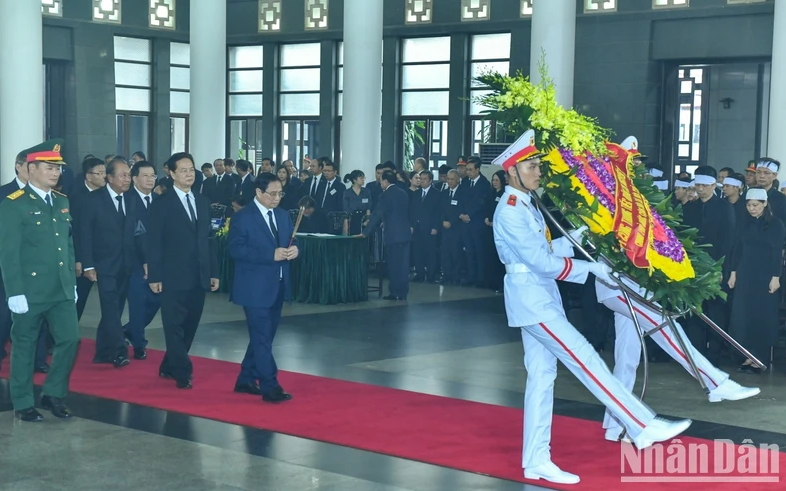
548 471
660 430
732 391
614 436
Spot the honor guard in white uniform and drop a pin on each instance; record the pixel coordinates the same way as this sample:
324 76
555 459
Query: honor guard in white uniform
627 345
627 350
532 301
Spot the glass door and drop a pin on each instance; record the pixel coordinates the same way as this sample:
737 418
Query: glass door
691 138
299 137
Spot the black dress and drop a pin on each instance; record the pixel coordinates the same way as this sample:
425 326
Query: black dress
756 259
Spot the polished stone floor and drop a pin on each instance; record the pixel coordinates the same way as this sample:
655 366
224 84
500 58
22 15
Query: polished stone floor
447 341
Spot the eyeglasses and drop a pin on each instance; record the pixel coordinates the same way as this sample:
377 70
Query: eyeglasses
274 195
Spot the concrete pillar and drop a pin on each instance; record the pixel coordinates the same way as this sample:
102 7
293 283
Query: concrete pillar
776 143
208 80
554 33
362 112
21 81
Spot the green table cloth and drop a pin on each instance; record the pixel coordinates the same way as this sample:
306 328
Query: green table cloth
330 269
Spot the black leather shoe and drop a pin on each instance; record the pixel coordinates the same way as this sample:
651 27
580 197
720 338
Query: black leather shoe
140 354
121 361
165 375
42 368
393 297
276 396
252 389
184 384
56 406
29 415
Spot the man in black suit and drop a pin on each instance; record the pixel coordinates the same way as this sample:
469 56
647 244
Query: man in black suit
393 210
108 251
246 188
715 220
333 195
453 206
425 226
476 188
259 239
220 189
143 304
19 182
314 185
94 173
182 265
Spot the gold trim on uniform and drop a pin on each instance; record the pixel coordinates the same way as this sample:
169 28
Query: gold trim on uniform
16 194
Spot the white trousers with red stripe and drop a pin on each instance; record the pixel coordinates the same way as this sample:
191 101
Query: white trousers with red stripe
627 348
557 339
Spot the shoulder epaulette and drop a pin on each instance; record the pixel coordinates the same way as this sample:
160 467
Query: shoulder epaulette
59 193
512 200
16 194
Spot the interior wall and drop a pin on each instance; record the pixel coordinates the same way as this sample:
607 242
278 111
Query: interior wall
731 138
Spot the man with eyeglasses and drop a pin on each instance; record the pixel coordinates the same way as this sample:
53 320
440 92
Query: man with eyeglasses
259 243
182 265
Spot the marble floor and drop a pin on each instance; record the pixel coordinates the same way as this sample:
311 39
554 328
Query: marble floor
447 341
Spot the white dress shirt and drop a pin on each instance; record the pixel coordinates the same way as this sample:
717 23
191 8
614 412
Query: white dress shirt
149 198
19 183
181 195
264 211
43 194
115 202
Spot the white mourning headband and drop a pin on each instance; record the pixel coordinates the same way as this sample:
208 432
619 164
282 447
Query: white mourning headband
681 184
757 194
732 182
700 179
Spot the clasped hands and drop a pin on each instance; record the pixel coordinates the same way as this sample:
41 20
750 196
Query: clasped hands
285 253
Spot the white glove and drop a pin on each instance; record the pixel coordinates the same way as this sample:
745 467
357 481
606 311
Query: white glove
76 295
18 304
579 233
602 272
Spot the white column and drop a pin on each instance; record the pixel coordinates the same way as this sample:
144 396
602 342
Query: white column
362 116
776 140
208 80
21 81
554 33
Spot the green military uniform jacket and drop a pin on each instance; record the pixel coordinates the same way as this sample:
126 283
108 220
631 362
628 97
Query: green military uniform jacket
36 247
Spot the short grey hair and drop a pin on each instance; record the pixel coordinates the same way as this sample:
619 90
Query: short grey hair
454 171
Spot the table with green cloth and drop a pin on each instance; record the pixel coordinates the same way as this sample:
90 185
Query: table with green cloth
330 269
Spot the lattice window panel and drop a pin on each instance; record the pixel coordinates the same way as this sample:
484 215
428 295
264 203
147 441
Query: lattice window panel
107 11
418 11
475 10
596 6
526 8
162 14
269 15
670 4
52 7
316 14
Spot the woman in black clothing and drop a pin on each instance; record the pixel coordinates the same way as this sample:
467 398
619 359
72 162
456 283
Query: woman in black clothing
495 268
289 201
755 278
357 201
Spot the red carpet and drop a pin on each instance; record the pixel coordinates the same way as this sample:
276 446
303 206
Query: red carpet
480 438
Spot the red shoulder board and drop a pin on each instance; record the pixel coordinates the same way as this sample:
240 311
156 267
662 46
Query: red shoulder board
512 200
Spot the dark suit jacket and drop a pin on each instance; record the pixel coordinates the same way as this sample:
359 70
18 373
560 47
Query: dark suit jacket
305 189
180 254
715 221
376 190
392 210
222 192
252 246
247 190
78 201
425 214
141 227
107 242
333 196
474 201
452 209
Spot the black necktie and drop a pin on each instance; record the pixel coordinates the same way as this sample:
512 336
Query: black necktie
472 185
48 199
120 205
423 198
147 201
272 225
314 187
190 209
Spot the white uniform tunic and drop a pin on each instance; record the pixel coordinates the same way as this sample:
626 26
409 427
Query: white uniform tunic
533 303
627 346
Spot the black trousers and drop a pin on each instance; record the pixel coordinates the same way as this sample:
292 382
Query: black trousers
425 253
451 254
476 253
110 340
397 260
83 287
181 311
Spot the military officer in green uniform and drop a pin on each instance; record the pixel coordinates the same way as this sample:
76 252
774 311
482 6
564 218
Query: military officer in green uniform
37 263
